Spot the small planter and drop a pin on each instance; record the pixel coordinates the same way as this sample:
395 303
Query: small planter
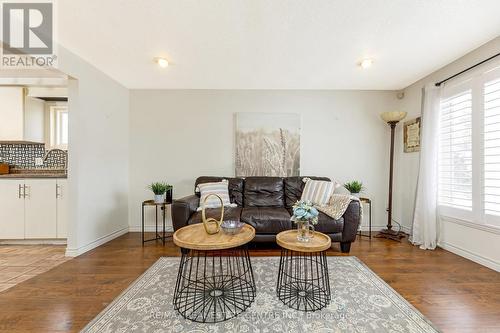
159 198
168 196
355 194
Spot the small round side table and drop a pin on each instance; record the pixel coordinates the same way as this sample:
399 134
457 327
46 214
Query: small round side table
162 206
215 281
303 281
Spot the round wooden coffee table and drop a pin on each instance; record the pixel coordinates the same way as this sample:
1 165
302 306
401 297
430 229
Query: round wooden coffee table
303 281
215 281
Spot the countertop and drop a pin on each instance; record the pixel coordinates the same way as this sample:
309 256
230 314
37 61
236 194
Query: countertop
35 173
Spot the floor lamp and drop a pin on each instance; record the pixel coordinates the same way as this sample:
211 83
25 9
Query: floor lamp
391 118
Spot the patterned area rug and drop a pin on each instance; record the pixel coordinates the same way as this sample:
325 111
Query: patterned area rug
361 302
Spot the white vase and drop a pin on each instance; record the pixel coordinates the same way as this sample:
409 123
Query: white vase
159 198
355 195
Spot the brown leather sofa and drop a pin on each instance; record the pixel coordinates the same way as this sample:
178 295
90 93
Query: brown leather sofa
266 204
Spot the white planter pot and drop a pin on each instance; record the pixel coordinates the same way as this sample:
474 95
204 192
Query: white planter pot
159 198
355 195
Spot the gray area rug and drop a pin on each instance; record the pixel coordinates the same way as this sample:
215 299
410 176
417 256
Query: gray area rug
361 302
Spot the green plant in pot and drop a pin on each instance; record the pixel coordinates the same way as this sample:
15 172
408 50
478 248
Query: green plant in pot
159 189
355 187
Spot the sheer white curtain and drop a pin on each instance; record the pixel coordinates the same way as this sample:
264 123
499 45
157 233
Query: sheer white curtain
425 217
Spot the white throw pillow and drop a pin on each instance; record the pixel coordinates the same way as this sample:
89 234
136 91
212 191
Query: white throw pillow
219 188
318 191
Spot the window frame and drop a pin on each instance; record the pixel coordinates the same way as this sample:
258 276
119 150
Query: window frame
475 82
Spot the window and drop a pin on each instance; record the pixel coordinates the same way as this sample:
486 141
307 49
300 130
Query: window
59 126
492 150
469 150
455 145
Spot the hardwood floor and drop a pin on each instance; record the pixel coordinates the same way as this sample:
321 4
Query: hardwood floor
456 294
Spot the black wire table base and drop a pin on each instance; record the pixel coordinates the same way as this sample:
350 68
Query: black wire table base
214 286
303 281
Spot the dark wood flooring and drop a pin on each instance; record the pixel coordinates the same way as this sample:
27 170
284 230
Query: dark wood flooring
456 294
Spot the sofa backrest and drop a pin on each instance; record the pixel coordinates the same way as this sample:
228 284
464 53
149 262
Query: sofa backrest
264 192
235 187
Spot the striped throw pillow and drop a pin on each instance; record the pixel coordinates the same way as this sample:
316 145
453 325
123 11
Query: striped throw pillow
219 188
318 191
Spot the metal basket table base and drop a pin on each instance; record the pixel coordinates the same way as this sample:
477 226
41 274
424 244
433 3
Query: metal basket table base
303 281
214 286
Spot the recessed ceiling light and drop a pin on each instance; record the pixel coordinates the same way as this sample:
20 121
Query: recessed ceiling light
366 63
162 62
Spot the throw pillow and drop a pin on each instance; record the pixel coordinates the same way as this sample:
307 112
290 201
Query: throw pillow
219 188
318 191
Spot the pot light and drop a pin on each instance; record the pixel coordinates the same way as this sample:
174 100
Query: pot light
162 62
366 63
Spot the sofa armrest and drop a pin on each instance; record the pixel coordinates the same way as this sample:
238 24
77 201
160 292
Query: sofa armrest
182 209
352 219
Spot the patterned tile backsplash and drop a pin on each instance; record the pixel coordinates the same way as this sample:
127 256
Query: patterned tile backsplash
22 156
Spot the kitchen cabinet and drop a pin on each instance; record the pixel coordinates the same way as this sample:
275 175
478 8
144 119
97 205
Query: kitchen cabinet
11 209
33 208
40 208
62 208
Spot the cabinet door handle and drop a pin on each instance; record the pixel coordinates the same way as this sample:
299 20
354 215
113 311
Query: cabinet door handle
19 191
58 194
26 194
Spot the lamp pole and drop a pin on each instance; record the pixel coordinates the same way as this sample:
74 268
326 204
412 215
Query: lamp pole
388 232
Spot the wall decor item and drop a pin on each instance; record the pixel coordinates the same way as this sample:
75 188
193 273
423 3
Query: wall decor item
411 135
267 144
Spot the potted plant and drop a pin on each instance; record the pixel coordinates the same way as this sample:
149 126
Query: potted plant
305 215
159 189
354 187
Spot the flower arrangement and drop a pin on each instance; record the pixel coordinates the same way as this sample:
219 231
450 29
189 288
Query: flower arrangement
303 211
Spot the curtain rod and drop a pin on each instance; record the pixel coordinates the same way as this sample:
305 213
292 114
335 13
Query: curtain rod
467 69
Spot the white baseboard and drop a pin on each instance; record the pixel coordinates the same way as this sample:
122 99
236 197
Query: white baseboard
74 252
470 255
33 242
149 228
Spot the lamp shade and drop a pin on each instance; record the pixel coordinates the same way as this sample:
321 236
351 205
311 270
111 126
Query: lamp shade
393 116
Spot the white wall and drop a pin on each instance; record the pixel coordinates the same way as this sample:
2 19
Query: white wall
34 119
11 113
178 135
457 238
98 155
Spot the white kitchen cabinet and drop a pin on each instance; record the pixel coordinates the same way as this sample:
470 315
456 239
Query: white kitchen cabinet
33 208
40 208
62 208
11 209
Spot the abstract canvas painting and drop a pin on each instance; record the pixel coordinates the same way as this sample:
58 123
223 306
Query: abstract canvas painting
267 144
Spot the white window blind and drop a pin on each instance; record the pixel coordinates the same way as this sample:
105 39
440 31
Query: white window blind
455 151
492 148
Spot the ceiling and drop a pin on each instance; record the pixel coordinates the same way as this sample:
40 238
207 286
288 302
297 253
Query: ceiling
278 44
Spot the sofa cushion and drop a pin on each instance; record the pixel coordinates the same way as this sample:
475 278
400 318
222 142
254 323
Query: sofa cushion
293 187
263 192
327 225
235 187
208 200
317 191
267 220
230 213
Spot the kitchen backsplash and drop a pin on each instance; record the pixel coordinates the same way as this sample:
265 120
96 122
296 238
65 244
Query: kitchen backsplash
22 156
